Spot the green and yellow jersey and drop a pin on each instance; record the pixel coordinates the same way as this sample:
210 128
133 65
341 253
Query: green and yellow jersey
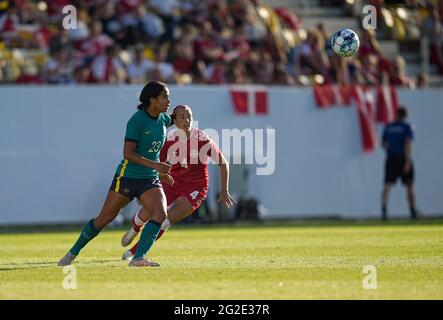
150 134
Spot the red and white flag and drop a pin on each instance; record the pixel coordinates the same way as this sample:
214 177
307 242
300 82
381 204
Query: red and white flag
331 95
365 108
250 101
387 104
324 96
383 110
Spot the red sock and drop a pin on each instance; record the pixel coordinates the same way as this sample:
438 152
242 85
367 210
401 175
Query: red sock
134 248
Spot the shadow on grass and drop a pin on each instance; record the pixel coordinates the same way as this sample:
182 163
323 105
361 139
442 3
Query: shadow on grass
52 264
276 223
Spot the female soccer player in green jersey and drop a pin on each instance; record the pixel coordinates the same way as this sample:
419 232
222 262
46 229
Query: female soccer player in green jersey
137 175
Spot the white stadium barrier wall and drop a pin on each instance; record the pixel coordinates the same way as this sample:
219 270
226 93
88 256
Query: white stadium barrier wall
60 146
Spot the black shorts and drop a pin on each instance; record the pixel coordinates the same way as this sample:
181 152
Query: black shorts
394 169
133 187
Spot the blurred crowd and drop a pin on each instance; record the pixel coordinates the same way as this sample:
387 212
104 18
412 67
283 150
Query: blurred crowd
412 21
190 41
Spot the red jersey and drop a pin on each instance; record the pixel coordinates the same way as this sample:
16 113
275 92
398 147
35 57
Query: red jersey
189 158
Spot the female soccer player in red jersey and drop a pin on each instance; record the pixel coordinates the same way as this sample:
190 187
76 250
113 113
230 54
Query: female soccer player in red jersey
188 150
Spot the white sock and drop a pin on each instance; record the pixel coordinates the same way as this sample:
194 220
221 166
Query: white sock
166 224
137 223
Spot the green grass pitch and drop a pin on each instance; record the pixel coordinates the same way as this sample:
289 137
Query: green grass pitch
271 261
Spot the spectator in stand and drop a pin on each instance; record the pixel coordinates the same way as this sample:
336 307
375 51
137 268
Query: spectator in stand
355 70
82 75
107 68
422 81
206 46
262 67
340 70
432 28
314 57
216 73
369 69
369 43
238 73
80 33
282 77
150 25
55 9
111 23
238 11
58 70
164 71
417 3
139 70
219 16
128 17
397 75
44 33
97 44
272 47
325 37
440 7
319 58
199 73
169 12
197 11
29 75
254 28
237 47
9 21
182 51
61 41
370 46
289 18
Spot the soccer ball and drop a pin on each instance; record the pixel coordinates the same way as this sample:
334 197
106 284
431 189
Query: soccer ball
345 42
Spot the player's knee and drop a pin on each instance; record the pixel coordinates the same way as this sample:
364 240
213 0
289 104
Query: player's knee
143 214
159 216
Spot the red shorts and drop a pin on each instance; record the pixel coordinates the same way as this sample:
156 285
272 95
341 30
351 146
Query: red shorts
195 195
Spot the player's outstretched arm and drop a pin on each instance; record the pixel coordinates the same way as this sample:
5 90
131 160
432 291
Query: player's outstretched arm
224 196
